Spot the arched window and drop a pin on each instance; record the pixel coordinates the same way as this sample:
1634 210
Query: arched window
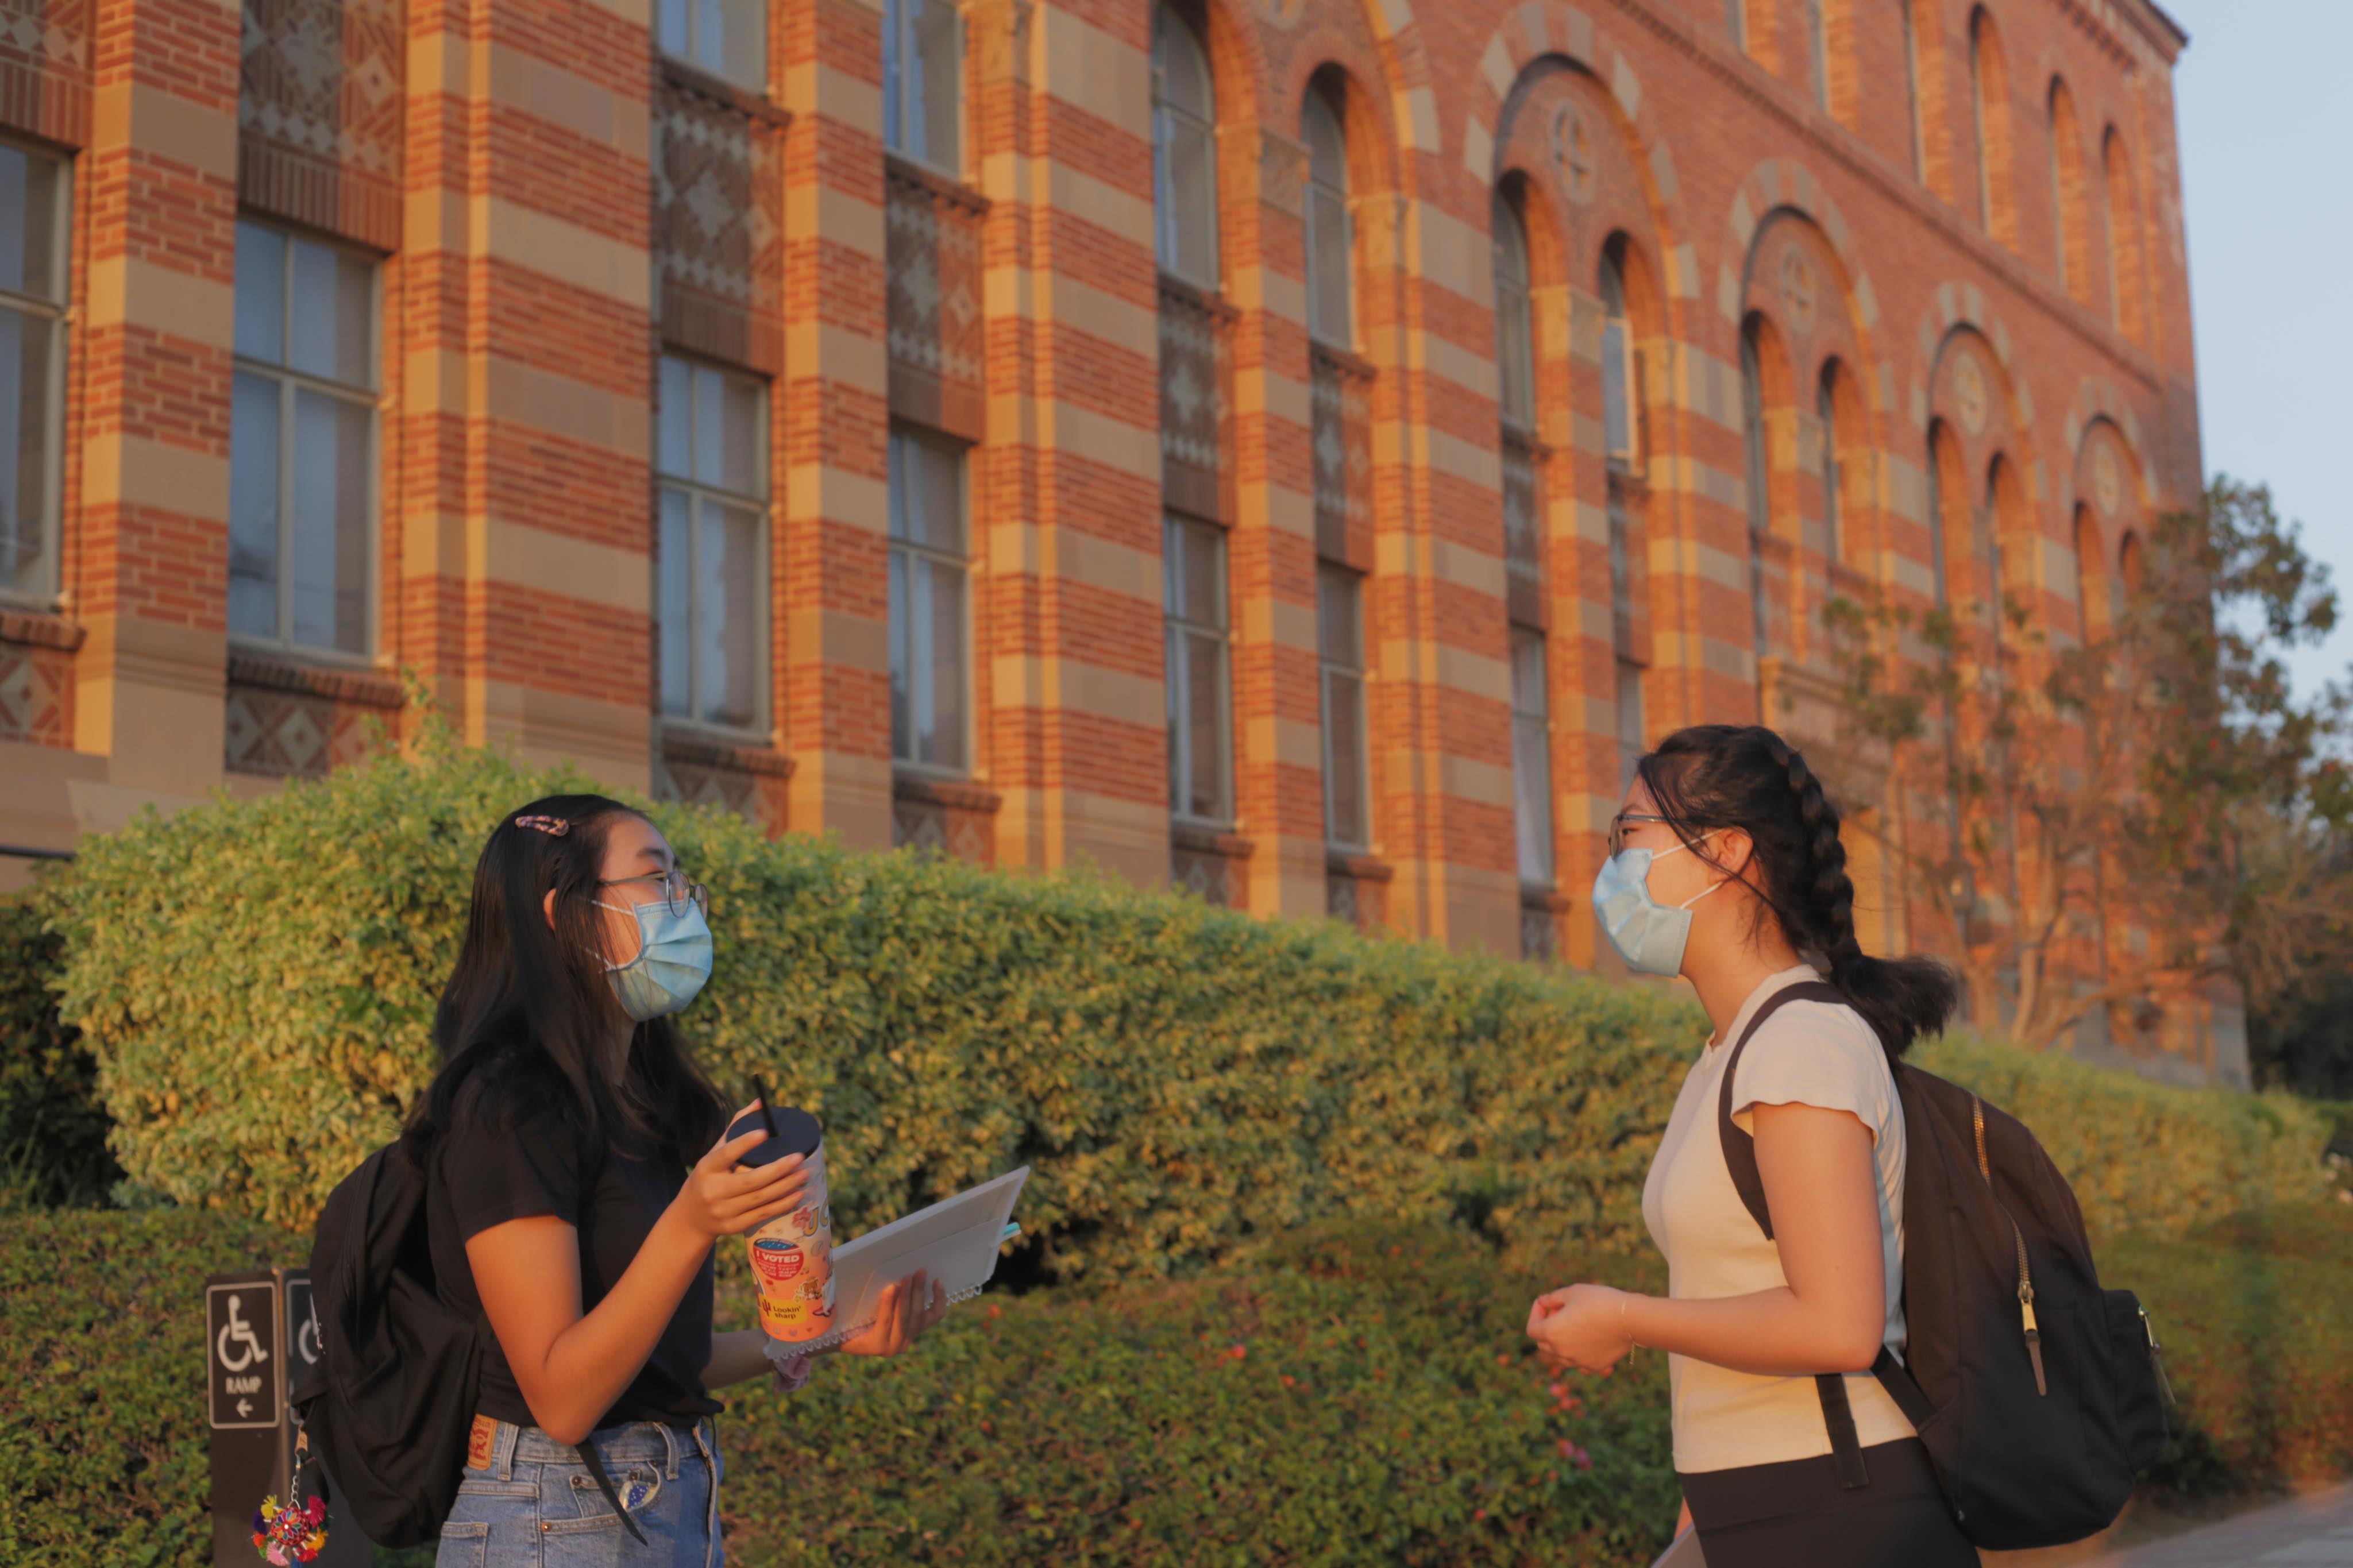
1329 319
1752 429
2004 514
1911 94
1990 118
1618 388
923 82
2124 238
2090 619
2129 578
1184 153
2073 238
1948 496
1826 408
1515 330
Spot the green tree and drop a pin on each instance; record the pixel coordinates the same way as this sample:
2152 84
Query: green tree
2097 822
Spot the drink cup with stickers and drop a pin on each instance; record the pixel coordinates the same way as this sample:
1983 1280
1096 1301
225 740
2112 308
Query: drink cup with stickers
792 1254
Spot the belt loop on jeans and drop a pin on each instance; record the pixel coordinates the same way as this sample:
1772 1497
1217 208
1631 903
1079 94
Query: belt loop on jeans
669 1448
503 1450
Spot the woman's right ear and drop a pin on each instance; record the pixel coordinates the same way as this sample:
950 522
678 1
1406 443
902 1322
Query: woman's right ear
548 905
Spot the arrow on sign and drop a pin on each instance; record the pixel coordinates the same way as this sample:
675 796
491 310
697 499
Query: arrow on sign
245 1407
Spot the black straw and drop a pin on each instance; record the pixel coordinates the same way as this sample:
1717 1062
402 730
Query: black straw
767 1116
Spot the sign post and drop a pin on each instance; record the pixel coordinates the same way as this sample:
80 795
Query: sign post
260 1339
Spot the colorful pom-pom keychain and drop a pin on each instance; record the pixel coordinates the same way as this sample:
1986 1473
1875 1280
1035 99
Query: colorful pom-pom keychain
294 1530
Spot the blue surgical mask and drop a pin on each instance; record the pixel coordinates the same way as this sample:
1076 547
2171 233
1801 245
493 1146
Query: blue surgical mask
674 959
1648 935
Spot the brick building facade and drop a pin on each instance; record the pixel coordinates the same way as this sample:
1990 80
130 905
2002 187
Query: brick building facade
1298 449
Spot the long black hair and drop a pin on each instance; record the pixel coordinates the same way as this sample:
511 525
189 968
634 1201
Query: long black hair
1712 776
528 1017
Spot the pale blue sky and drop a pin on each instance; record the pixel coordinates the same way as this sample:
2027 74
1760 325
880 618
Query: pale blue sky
2266 127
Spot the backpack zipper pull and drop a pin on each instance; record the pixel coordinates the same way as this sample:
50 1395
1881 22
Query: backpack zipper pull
2034 1337
2157 1360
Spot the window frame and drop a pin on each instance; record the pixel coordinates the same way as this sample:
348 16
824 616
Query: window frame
55 314
898 24
901 436
1911 94
1177 628
290 381
1328 665
1817 47
1318 101
759 728
1616 318
1166 114
1515 316
1832 478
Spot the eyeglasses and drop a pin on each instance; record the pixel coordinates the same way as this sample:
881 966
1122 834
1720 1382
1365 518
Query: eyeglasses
676 890
1618 827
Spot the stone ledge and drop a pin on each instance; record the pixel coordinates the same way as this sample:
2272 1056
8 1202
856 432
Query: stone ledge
35 629
955 794
273 672
711 751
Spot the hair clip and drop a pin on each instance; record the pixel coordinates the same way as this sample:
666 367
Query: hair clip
554 827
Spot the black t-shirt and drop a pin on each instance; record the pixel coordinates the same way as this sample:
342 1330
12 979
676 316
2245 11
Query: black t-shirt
512 1156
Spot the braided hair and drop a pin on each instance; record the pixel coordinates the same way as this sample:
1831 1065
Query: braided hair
1712 777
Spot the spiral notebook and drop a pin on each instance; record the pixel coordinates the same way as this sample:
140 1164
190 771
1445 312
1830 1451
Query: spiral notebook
954 1241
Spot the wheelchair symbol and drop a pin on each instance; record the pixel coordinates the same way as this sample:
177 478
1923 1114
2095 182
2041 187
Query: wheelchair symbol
239 1332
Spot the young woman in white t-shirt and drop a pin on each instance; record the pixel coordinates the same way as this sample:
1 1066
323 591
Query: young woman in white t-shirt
1725 868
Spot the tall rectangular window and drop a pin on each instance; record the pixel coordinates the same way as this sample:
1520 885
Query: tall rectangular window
302 493
1531 758
712 593
728 38
1818 45
931 606
1200 695
33 194
922 82
1347 764
1911 94
1631 721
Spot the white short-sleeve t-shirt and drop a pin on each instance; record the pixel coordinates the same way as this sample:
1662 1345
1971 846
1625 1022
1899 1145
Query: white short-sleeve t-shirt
1807 1053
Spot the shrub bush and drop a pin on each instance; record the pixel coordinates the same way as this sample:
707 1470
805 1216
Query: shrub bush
52 1127
257 980
102 1353
1120 1425
2146 1154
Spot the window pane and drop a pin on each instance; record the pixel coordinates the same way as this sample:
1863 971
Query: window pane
1327 257
253 467
674 608
1630 720
740 52
671 26
1347 813
677 416
709 33
1196 570
1327 146
943 737
1339 622
1515 351
905 669
710 430
334 294
927 494
932 88
27 346
1189 236
1617 421
328 522
894 85
1527 672
740 406
1532 803
260 293
30 188
1205 680
727 614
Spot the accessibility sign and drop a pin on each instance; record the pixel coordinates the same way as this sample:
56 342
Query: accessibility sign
244 1356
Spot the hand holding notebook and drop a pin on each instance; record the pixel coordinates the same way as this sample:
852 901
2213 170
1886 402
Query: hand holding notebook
955 1242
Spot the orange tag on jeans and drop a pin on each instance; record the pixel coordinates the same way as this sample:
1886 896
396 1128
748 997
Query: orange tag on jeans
479 1441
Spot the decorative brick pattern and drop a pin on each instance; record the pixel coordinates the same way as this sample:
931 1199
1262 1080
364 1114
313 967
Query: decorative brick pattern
44 68
945 818
1340 401
718 228
1196 368
933 231
700 771
319 114
35 695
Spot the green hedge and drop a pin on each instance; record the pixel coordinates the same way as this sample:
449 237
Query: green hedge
256 981
52 1127
2146 1154
1120 1425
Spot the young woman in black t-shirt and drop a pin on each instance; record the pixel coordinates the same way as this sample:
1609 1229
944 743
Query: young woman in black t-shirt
579 1184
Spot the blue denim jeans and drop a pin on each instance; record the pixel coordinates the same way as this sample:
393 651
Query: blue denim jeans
534 1504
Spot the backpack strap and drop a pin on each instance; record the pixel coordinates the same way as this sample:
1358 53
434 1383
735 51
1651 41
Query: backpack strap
595 1463
1740 1160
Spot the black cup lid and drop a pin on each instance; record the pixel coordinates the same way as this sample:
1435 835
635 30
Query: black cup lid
796 1134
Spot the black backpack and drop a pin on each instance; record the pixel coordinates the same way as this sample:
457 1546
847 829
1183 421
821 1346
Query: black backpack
389 1404
2038 1395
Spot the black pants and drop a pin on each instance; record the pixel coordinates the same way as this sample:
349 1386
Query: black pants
1794 1514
